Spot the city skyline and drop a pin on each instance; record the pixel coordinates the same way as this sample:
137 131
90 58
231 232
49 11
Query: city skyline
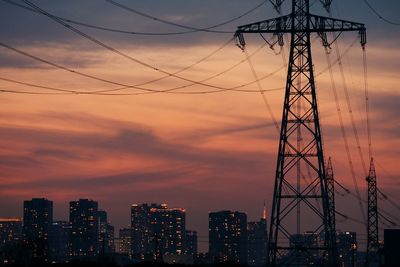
201 152
232 237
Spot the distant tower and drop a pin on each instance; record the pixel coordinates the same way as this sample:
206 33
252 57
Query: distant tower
264 212
257 241
330 182
373 234
295 208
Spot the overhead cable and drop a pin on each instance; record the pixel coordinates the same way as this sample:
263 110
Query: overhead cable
192 29
379 15
367 107
261 91
109 29
344 135
137 86
118 52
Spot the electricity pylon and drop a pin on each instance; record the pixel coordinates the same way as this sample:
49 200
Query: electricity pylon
330 182
300 145
373 258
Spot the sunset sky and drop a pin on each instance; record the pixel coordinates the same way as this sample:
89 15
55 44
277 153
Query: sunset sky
203 152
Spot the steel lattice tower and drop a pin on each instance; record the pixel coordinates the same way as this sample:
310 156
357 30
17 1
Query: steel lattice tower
330 182
300 145
372 220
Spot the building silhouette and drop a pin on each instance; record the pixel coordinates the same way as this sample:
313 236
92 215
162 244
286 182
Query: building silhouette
228 236
347 248
391 247
257 243
170 227
191 247
38 218
10 231
157 231
59 245
106 234
125 242
84 220
142 232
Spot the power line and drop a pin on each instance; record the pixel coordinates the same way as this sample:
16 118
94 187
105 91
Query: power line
109 29
125 86
381 211
347 217
367 107
137 86
350 109
122 54
261 91
71 70
107 92
30 93
169 90
192 29
379 15
38 86
343 132
67 91
385 197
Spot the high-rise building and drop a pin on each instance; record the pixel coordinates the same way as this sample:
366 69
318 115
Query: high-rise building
347 248
391 247
38 218
257 243
125 237
191 243
228 236
59 245
170 228
102 215
156 231
10 231
11 242
84 222
106 234
110 236
143 239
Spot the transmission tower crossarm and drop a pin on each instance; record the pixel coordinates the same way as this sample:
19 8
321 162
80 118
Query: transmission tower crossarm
284 24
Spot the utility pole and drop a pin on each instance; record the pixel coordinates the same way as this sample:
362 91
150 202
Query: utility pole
318 247
373 258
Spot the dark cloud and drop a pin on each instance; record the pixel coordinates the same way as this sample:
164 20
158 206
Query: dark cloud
102 182
56 153
61 55
256 129
30 26
26 27
125 140
385 105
